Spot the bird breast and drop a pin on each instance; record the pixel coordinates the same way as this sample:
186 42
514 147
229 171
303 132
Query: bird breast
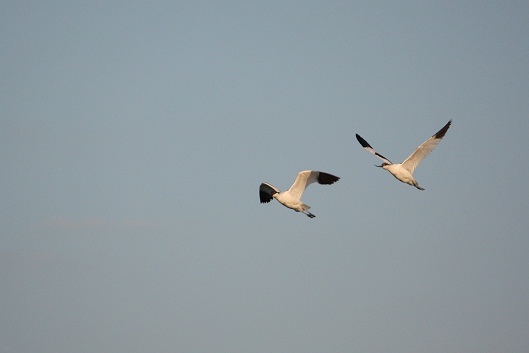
399 172
286 199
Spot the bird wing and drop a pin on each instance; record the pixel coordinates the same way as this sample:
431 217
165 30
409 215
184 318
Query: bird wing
368 148
424 149
307 177
266 192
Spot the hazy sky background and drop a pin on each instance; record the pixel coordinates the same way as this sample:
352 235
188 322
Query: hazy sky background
134 137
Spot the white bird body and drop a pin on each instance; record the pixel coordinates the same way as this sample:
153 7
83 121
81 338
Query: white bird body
287 199
402 174
404 171
292 197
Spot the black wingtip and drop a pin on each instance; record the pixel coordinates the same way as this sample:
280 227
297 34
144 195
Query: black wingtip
362 141
327 179
441 133
264 197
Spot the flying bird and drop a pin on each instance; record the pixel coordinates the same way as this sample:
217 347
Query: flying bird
292 197
404 171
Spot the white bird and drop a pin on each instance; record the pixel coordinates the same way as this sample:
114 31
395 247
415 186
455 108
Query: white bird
404 171
292 197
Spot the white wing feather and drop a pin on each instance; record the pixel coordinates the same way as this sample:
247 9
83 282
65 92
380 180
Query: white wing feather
307 177
425 149
304 179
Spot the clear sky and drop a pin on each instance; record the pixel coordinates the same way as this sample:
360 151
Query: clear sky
134 136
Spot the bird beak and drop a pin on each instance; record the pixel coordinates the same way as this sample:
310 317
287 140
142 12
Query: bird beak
380 166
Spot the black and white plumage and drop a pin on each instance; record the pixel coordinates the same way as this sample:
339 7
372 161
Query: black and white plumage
404 171
292 197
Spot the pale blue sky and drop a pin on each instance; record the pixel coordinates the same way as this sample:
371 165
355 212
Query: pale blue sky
134 137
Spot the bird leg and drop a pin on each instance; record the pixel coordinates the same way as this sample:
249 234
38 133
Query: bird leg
310 215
